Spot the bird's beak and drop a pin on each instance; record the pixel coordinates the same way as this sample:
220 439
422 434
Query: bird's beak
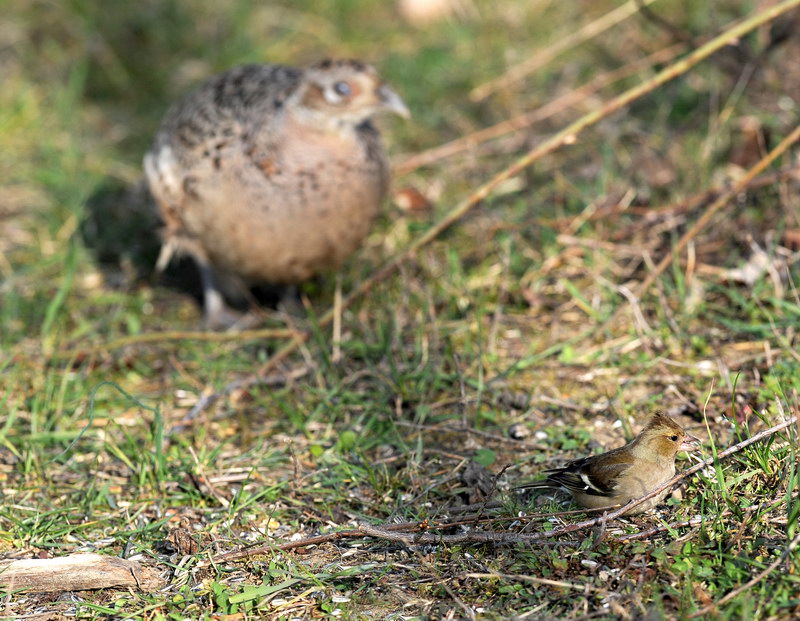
393 102
690 443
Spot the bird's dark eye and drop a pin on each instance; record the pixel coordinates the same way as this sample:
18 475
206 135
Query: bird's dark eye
342 88
674 438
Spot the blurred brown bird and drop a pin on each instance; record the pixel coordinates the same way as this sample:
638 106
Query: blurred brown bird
270 174
624 473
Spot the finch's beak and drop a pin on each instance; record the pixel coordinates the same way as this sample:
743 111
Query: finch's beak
393 102
690 443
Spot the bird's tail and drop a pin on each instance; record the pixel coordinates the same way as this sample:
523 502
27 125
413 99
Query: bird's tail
543 484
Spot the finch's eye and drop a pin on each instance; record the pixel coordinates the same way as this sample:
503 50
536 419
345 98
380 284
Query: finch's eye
674 438
342 88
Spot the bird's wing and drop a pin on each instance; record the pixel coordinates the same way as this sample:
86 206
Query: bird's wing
227 109
222 114
595 476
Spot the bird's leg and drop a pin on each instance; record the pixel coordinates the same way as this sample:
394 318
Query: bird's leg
218 315
290 301
600 531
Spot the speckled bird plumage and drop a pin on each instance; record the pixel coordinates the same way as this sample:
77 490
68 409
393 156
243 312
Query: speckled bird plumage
270 173
627 472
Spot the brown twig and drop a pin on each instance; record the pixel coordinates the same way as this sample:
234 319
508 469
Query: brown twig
468 515
157 337
467 537
476 432
750 583
645 534
208 400
678 33
535 580
724 199
409 533
686 205
526 119
583 34
699 519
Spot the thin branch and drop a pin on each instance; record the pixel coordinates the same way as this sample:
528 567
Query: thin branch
467 537
158 337
476 432
583 34
408 533
535 580
718 204
468 516
686 205
750 583
646 534
699 519
678 33
206 401
526 119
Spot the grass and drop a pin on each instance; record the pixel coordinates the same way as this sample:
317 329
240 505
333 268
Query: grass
509 341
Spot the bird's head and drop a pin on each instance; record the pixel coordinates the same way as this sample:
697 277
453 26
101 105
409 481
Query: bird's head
665 438
347 92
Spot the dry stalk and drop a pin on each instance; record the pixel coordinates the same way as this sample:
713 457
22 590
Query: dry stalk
740 185
158 337
699 519
691 203
587 32
526 119
646 534
750 583
534 580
